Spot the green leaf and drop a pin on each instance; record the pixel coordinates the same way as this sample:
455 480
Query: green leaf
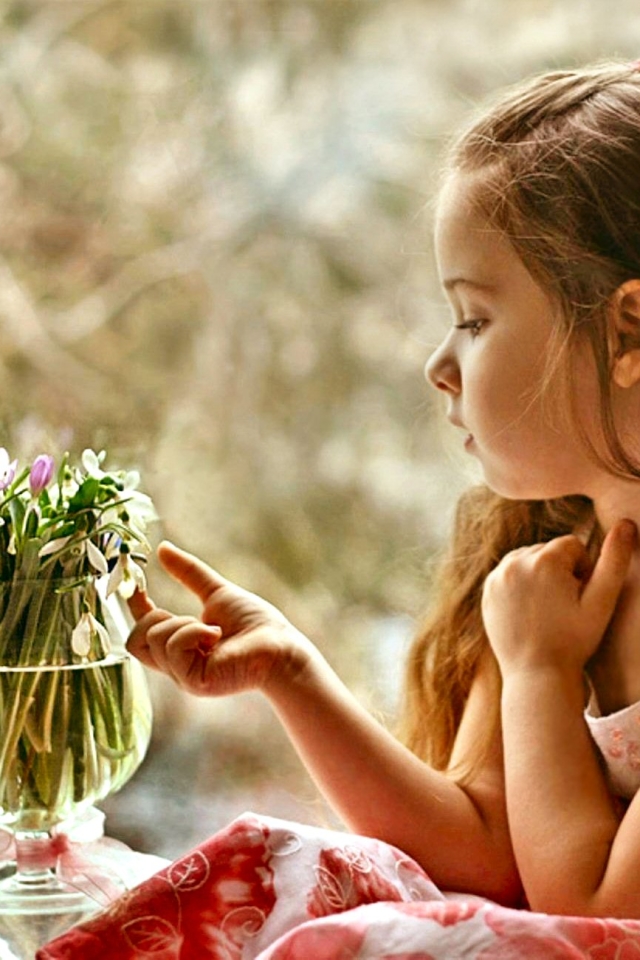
29 559
85 494
17 511
31 526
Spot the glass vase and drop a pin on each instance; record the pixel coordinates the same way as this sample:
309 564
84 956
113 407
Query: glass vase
75 723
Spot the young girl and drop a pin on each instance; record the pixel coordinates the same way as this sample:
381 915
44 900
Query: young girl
503 787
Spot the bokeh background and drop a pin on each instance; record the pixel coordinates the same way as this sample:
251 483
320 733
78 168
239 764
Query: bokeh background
216 263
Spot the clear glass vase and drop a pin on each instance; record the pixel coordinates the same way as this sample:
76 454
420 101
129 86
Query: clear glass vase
75 723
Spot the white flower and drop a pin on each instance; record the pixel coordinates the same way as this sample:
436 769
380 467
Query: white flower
7 469
138 509
126 577
83 633
68 489
140 512
91 462
95 557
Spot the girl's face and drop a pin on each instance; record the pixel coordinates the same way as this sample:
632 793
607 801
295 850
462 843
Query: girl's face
493 362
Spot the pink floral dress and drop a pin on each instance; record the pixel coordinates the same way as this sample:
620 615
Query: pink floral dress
266 889
617 737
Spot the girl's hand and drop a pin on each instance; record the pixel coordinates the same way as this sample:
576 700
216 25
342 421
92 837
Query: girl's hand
239 643
548 605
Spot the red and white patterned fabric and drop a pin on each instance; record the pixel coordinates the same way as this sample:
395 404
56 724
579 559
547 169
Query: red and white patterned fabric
266 889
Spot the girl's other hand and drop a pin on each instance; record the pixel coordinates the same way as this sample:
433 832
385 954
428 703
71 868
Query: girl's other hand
549 605
240 641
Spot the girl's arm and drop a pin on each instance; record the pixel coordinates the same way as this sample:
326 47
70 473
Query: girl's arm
459 834
381 789
545 612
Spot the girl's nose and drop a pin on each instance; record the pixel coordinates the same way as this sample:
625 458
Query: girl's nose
442 370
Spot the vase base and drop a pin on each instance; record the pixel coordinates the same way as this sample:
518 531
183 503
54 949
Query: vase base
16 899
21 935
31 918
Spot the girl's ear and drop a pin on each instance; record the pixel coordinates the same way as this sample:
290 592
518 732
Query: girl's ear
625 315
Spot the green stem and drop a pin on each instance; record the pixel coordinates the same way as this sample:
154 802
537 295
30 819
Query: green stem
41 624
20 706
38 727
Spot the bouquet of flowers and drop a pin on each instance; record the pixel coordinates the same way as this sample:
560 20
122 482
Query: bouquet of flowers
71 536
59 531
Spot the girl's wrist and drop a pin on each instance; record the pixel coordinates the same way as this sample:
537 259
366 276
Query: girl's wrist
536 660
299 661
546 679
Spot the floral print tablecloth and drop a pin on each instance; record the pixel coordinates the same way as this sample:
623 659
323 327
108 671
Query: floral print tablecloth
266 889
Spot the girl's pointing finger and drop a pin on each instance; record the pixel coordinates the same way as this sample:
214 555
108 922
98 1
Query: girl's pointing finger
189 570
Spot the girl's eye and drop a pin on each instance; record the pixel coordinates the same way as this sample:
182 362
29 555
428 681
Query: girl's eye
474 326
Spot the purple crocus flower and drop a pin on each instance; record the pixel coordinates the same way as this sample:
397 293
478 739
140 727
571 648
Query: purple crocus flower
41 473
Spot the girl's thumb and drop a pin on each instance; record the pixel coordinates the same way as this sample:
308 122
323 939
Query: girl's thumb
139 604
606 581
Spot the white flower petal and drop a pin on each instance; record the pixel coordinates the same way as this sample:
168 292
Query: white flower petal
103 633
96 557
69 487
141 505
84 632
112 548
91 463
53 546
132 577
115 577
127 588
131 480
138 575
81 636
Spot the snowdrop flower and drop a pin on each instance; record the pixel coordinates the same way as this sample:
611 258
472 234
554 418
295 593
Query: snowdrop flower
127 576
137 511
84 632
7 469
41 473
69 486
91 461
133 507
84 547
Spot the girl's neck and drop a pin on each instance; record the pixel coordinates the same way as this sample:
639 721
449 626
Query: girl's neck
615 500
615 668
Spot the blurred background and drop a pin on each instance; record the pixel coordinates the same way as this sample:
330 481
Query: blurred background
216 263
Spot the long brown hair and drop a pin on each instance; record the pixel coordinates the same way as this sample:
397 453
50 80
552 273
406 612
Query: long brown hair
555 167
